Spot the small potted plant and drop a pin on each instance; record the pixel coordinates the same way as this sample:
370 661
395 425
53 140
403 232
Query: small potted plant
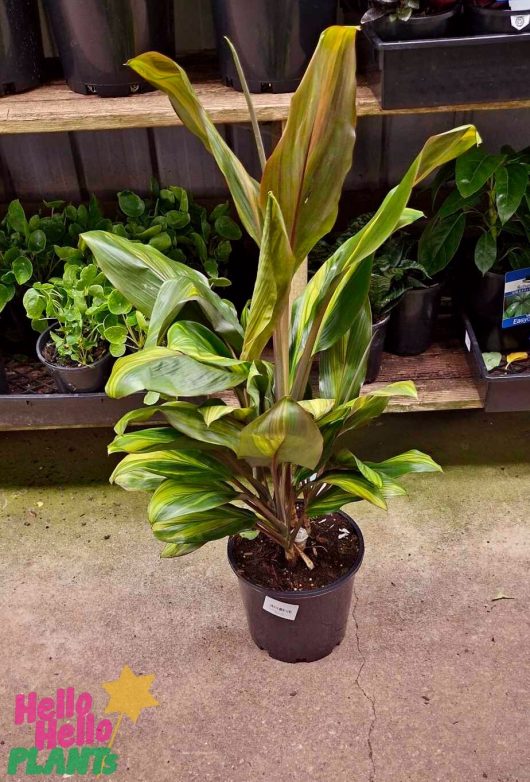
273 468
491 201
21 57
497 17
96 37
83 322
275 41
410 20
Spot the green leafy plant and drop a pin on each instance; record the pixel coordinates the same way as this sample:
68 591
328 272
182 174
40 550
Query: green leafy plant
279 455
173 223
88 316
492 201
394 271
34 249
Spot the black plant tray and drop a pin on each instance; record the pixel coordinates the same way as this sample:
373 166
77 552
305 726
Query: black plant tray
448 71
498 393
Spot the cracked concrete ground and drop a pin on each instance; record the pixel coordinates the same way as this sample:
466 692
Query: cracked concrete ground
431 683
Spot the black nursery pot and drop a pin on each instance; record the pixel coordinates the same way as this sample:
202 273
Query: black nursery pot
320 615
75 380
21 57
96 37
375 356
416 28
412 322
275 39
485 305
494 21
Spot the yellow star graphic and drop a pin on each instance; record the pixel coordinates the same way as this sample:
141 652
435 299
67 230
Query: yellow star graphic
130 694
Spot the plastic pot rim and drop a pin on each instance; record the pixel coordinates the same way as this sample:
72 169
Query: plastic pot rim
305 594
46 334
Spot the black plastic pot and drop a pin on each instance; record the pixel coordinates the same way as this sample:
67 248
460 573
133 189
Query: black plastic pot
21 58
275 39
375 356
416 28
499 394
96 37
493 21
412 321
4 388
442 71
75 380
485 305
321 615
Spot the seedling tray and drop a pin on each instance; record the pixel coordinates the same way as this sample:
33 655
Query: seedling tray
448 71
501 393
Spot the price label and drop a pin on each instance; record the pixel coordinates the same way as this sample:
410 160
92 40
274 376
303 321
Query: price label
283 610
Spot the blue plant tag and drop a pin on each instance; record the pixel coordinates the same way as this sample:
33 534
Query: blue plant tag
516 298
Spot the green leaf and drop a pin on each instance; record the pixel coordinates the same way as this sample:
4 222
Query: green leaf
167 372
439 243
176 498
37 241
510 185
307 169
343 366
130 204
199 528
357 487
276 268
405 463
169 77
285 433
16 218
172 550
6 294
474 169
136 270
492 360
145 472
149 440
162 242
228 228
175 294
486 252
22 269
118 304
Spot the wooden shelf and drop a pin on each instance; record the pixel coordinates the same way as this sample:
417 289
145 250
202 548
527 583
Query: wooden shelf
54 108
442 376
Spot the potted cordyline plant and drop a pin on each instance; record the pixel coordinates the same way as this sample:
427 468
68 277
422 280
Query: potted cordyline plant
273 468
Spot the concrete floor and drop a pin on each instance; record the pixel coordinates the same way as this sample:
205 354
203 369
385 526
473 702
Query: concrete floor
431 682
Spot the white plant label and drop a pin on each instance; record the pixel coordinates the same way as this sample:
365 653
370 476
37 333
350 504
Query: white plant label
283 610
468 341
520 21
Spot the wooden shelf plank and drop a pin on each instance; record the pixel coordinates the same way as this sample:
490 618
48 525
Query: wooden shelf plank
55 108
442 376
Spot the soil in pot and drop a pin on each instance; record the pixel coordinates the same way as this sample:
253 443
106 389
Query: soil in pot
72 378
412 323
375 356
275 40
297 614
96 37
439 25
21 57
